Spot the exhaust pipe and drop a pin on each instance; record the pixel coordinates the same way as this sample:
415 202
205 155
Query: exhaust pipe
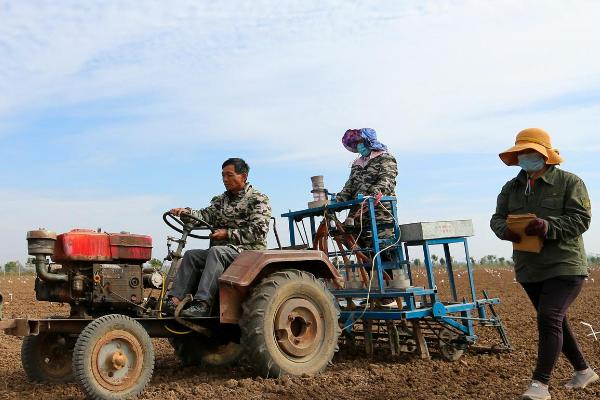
40 244
43 273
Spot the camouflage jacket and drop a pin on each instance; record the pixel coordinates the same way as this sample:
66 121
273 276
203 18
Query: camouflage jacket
245 215
378 175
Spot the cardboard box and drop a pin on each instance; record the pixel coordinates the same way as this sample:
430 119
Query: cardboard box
517 223
419 231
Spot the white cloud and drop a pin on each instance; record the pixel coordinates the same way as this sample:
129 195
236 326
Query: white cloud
285 80
422 74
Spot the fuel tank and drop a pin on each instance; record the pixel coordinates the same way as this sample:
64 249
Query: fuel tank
89 245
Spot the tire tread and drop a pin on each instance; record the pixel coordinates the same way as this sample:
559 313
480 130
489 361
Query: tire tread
252 327
87 336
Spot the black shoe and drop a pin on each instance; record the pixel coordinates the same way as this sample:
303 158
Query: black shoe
197 309
169 307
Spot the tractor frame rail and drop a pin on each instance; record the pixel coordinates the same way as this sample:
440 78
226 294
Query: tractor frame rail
156 327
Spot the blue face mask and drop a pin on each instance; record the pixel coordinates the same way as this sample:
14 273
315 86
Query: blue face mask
363 150
531 162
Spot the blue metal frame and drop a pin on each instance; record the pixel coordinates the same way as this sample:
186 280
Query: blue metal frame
452 312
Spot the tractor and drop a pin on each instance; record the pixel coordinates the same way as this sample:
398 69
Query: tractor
273 302
284 309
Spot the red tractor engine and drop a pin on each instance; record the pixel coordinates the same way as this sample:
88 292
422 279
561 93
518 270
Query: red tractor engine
94 272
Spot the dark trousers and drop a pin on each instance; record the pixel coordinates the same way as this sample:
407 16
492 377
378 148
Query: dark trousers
199 272
551 299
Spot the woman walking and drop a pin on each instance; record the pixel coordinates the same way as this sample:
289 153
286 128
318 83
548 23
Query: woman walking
552 278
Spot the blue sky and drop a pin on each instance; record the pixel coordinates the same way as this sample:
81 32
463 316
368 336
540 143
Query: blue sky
112 112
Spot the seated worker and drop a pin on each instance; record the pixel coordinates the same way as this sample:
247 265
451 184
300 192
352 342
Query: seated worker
374 172
240 217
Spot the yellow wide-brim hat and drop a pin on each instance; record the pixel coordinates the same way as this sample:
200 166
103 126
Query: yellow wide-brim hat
535 139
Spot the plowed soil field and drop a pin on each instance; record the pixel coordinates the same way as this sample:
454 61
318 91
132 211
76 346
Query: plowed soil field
353 375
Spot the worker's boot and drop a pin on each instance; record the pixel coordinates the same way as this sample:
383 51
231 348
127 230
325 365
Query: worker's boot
582 378
169 307
197 309
536 391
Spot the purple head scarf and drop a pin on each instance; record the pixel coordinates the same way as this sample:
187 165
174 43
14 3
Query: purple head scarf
353 137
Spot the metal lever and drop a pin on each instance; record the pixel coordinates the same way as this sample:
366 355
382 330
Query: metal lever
275 232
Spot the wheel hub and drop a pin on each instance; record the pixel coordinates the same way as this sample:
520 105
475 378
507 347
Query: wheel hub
117 360
298 327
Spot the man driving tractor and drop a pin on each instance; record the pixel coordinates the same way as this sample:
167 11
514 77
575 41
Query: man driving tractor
240 218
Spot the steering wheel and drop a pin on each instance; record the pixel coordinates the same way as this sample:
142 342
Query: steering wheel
201 224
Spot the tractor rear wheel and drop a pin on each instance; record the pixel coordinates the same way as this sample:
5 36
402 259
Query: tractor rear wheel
46 358
198 350
113 358
290 325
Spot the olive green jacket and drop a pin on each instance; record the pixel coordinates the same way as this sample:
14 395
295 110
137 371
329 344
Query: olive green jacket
560 198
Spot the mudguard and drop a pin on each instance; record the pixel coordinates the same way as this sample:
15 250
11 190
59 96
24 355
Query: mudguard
252 265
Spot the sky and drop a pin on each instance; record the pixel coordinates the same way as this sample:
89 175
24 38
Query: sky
112 112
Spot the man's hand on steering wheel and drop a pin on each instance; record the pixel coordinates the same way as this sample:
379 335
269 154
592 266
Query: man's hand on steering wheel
178 211
186 220
217 234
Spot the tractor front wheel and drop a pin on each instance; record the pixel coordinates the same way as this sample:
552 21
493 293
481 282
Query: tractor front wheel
290 325
113 358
